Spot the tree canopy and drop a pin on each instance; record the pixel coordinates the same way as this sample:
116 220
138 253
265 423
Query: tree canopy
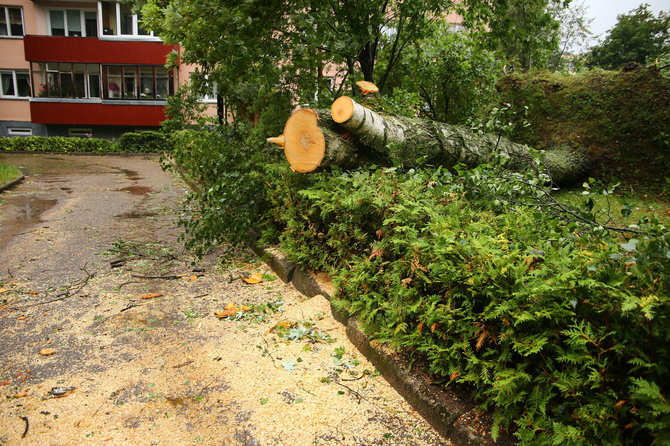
255 48
638 36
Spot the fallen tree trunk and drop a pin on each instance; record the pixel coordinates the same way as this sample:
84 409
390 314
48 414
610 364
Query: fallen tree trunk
353 133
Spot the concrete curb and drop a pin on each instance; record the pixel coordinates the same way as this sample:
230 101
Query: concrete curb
12 183
452 416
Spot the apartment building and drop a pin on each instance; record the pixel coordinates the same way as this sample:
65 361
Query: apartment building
75 68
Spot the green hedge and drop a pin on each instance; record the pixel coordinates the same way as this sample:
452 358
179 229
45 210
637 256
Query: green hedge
562 330
147 141
133 142
55 144
621 118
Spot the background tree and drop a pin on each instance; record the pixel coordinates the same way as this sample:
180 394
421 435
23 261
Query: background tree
638 36
525 31
573 34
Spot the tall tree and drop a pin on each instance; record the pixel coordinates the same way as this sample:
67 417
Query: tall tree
525 31
638 36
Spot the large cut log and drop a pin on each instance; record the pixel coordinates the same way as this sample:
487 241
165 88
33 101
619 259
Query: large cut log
311 139
351 134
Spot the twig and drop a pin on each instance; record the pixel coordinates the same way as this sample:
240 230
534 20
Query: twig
25 431
67 294
156 277
353 379
199 296
360 397
127 283
267 350
133 305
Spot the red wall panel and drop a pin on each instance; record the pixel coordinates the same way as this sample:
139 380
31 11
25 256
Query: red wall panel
96 114
94 50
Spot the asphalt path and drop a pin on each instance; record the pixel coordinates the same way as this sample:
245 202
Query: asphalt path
109 332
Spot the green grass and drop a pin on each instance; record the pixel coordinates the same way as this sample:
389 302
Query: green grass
8 173
617 205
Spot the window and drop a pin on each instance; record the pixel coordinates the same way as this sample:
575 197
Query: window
73 23
137 82
118 20
11 21
19 131
81 133
14 84
66 80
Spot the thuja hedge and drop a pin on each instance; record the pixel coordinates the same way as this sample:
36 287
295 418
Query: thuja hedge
561 329
619 117
146 141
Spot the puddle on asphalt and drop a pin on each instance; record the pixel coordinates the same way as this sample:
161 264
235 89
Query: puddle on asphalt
131 174
136 190
26 211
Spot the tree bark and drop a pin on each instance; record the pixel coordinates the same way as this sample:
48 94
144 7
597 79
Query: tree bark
350 134
409 139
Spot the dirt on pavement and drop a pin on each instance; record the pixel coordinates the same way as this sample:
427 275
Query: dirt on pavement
109 332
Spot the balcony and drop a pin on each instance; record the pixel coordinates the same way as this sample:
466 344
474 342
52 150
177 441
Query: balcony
94 50
96 112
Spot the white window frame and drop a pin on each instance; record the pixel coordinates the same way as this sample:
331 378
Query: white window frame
134 36
82 19
5 11
19 131
16 85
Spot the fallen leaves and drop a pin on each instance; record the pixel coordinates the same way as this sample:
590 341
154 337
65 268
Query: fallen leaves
22 318
151 296
231 310
47 352
253 278
5 383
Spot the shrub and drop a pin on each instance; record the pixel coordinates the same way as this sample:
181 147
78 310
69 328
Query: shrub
621 118
55 144
560 328
144 141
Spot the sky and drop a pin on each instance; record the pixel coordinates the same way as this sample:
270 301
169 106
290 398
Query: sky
604 12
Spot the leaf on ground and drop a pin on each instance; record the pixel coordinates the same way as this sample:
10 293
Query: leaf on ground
25 316
253 278
151 296
231 310
193 278
47 352
4 383
3 290
289 365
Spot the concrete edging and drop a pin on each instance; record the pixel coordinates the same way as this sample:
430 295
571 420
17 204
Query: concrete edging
452 416
12 183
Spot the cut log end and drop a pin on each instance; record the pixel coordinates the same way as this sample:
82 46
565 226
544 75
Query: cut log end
342 109
304 142
367 87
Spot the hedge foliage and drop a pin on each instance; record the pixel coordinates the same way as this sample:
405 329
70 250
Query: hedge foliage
562 330
147 141
619 117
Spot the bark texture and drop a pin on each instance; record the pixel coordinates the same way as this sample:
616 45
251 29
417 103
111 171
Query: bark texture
350 134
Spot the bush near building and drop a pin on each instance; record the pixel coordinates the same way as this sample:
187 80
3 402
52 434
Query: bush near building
147 141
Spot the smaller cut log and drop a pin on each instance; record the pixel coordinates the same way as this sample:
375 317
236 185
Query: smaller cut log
410 139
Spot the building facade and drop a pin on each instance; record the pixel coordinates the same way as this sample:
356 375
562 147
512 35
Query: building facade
75 68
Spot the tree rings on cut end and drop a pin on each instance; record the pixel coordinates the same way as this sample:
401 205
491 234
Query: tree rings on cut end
342 109
367 87
304 143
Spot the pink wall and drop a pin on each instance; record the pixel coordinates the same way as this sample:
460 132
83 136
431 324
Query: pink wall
14 110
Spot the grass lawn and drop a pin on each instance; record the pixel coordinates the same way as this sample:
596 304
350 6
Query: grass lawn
623 207
8 173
